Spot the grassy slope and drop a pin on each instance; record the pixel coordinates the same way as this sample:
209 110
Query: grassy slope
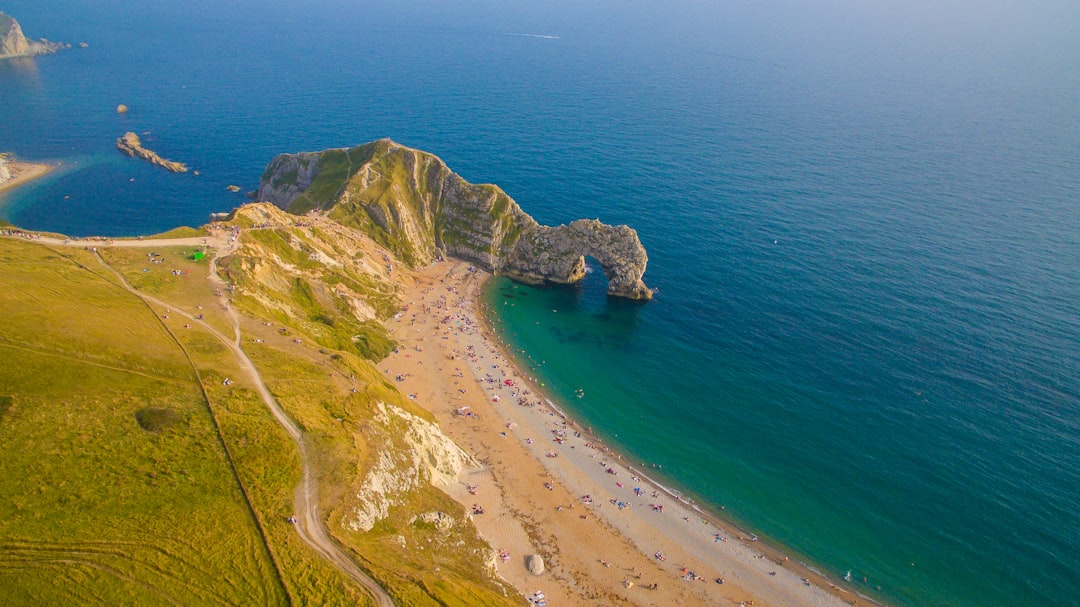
330 388
117 514
432 567
181 232
336 166
310 303
99 510
265 457
404 195
96 508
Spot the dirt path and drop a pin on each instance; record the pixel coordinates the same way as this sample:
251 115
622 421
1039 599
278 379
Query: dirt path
306 498
306 501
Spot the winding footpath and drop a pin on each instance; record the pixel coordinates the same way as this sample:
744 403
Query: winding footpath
309 526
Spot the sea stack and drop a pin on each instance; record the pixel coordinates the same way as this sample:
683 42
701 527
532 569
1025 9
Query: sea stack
121 109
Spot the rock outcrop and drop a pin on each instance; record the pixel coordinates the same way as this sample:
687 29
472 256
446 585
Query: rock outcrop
13 43
535 564
130 145
416 453
5 174
413 204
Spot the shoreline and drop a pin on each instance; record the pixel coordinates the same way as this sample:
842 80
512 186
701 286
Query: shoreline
23 173
665 545
770 548
617 550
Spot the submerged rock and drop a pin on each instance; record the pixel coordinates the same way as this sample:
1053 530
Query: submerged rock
413 204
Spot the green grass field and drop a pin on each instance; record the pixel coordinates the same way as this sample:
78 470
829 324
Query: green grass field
135 474
99 509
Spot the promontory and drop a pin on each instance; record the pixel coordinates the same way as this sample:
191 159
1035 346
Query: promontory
13 43
413 204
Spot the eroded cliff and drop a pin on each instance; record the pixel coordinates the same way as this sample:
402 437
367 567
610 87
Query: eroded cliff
413 204
13 43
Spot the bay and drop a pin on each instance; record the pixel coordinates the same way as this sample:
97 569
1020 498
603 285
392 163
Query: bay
862 220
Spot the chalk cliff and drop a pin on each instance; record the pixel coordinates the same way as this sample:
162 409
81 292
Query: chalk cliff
413 204
13 43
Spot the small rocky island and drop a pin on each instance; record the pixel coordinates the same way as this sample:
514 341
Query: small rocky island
130 145
413 204
13 43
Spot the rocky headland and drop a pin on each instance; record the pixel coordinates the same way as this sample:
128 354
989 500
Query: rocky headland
13 43
130 145
413 204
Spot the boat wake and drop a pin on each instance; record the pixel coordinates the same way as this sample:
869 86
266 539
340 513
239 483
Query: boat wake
544 36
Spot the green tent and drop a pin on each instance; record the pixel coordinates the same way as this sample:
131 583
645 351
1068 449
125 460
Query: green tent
198 255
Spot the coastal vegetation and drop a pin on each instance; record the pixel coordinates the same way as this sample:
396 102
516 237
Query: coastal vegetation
120 372
142 466
181 232
97 509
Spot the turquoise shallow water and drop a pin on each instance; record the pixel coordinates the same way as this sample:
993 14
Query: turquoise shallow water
862 220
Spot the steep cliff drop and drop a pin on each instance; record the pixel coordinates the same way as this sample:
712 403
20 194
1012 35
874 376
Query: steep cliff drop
13 43
413 204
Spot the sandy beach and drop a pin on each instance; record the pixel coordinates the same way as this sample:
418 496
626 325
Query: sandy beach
23 173
607 534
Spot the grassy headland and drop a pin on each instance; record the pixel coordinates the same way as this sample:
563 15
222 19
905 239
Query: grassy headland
141 466
99 508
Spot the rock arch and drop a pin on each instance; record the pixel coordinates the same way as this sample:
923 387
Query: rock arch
557 254
413 204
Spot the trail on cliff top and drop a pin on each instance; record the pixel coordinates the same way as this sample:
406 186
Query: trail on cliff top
306 498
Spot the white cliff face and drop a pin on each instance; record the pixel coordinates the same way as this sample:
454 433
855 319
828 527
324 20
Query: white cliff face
5 175
287 177
12 41
416 453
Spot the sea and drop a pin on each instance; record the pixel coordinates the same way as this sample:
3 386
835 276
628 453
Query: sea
862 221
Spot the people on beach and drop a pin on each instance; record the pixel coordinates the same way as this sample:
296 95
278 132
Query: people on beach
444 315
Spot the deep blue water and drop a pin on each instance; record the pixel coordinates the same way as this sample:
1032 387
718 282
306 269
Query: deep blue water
863 220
